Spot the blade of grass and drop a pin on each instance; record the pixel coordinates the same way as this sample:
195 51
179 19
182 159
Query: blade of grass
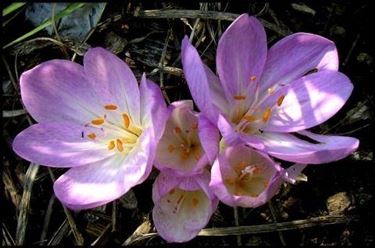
11 8
68 10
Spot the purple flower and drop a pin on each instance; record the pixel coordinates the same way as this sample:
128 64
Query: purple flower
183 200
93 118
262 97
242 176
183 205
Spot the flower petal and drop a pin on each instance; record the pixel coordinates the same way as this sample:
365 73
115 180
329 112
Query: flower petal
57 90
60 145
180 214
98 183
296 55
209 137
197 79
113 81
290 148
224 171
241 56
308 101
153 107
293 172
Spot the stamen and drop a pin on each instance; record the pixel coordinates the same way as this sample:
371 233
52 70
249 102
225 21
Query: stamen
266 115
249 118
171 148
253 78
110 107
126 120
172 192
194 202
180 199
111 145
239 97
242 165
119 145
91 136
177 130
280 100
98 121
194 125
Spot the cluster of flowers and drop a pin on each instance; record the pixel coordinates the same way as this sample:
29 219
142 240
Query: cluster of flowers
97 120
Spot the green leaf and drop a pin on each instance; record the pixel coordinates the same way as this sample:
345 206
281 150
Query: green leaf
11 8
68 10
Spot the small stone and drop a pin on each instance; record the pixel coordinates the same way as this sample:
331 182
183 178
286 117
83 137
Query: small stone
365 58
337 30
338 203
129 200
115 43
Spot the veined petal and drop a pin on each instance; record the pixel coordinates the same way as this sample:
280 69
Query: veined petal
60 144
198 80
98 183
240 58
58 90
209 137
294 56
241 176
290 148
308 101
154 110
113 81
180 148
180 214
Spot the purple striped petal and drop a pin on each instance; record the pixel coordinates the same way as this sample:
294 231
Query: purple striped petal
290 148
308 101
98 183
58 90
113 81
296 55
241 56
60 145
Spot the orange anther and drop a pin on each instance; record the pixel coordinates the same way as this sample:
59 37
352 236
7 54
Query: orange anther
180 199
242 165
98 121
194 125
280 100
111 145
170 148
194 202
249 118
91 136
177 130
172 192
119 145
110 107
239 97
253 78
266 115
126 119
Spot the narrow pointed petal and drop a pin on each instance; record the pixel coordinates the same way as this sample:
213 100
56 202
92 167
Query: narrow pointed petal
290 148
113 80
60 145
101 182
154 111
58 90
293 172
296 55
209 136
308 101
197 79
241 56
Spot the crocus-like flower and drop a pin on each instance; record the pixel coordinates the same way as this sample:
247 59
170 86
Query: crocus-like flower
93 118
242 176
183 205
262 97
183 201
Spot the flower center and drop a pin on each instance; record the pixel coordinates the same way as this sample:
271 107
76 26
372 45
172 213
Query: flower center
114 129
250 180
179 200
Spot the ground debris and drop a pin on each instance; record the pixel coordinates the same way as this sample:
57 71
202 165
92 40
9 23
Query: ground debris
338 203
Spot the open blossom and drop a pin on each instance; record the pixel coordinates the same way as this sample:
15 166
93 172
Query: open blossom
262 97
242 176
183 200
96 120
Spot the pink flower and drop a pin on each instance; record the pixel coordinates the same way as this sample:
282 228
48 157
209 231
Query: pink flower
183 200
93 118
262 97
242 176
